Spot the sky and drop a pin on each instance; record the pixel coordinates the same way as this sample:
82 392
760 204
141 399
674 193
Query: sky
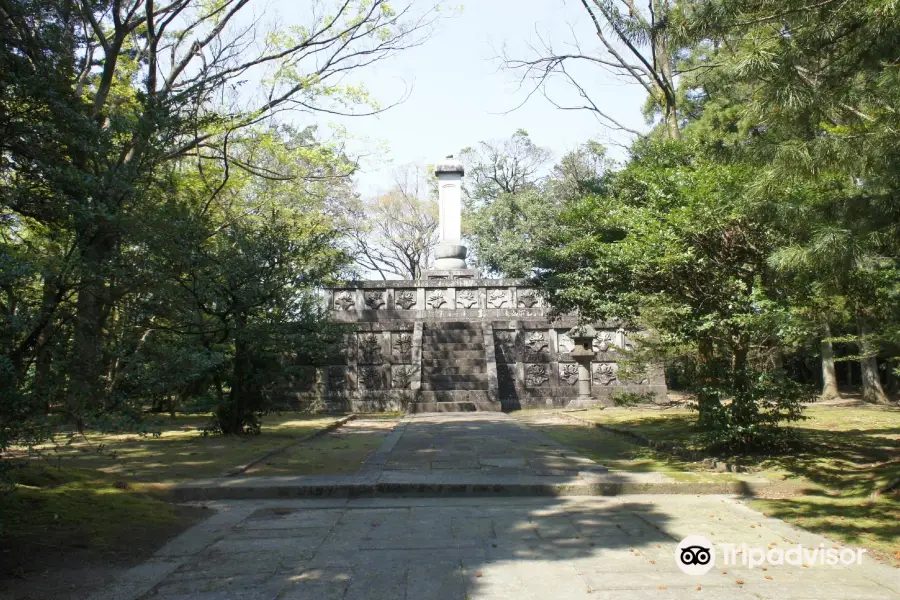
459 95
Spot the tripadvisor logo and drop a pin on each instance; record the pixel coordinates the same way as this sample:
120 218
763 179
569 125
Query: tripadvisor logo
696 555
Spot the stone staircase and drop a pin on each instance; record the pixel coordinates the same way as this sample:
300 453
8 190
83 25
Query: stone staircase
454 369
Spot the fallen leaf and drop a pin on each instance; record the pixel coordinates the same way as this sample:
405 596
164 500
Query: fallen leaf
699 588
739 581
724 572
662 587
768 577
652 562
478 574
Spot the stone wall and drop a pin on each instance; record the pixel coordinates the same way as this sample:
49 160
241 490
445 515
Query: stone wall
527 352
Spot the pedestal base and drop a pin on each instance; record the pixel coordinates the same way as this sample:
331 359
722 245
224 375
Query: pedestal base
451 274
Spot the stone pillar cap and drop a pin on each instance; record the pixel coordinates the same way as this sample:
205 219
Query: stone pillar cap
582 331
449 165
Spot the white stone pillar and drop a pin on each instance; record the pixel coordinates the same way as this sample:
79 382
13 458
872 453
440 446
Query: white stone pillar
450 253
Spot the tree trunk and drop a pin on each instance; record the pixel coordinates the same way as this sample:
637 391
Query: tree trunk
43 362
240 381
868 364
86 387
661 57
829 374
708 403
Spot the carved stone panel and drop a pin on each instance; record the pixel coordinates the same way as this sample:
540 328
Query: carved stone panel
536 347
370 349
498 298
466 298
528 298
605 374
401 346
370 377
536 375
604 341
564 345
435 298
405 299
374 299
402 376
505 346
344 300
568 373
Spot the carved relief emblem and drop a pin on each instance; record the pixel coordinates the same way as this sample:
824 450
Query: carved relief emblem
336 379
505 337
536 375
345 301
528 299
498 298
605 373
603 341
466 298
535 346
569 373
374 300
436 298
403 376
369 376
566 344
406 299
403 345
370 346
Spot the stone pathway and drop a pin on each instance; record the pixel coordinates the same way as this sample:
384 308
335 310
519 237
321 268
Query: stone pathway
619 548
435 454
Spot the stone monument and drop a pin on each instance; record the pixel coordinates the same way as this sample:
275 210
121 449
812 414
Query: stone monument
450 254
456 342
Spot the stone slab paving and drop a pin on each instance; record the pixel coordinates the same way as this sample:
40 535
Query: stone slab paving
484 548
485 453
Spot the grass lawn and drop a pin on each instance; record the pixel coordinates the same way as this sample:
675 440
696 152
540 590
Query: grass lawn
59 522
179 452
843 454
88 505
340 452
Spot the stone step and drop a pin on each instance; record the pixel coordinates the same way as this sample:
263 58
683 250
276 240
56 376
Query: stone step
480 396
429 386
454 336
453 369
453 362
426 407
452 355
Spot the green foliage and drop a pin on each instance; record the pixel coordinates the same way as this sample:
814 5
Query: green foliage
674 247
508 205
161 243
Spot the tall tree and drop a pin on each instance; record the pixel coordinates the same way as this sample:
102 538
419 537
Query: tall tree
104 106
634 43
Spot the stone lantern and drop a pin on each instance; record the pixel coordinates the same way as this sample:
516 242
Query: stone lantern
583 354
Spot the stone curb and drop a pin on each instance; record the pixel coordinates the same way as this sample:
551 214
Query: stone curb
248 491
241 469
663 446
